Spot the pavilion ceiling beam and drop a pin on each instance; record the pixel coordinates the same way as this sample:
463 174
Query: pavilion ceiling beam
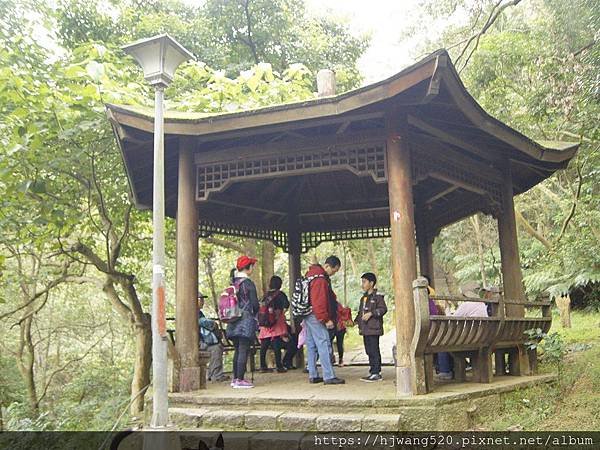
245 207
431 147
457 183
445 136
290 197
296 195
293 126
344 211
343 127
233 154
535 167
314 198
441 194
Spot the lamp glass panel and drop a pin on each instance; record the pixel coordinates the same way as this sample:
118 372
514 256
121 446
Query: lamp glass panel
148 56
173 58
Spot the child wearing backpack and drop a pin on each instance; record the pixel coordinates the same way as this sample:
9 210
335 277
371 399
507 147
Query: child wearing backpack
239 311
273 329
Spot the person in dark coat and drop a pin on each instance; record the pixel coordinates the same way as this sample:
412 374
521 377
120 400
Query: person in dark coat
274 336
210 342
242 332
369 319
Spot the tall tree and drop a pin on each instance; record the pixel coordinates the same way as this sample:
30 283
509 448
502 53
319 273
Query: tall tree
230 35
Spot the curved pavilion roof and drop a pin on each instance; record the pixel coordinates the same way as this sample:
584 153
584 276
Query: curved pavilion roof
445 125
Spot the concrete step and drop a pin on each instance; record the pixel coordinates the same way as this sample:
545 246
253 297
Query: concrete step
185 418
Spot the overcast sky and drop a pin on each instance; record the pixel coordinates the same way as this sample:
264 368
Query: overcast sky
386 20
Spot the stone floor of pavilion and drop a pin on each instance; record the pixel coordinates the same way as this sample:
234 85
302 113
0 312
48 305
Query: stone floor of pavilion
288 402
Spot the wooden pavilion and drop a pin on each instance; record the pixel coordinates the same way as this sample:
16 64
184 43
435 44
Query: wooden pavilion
401 158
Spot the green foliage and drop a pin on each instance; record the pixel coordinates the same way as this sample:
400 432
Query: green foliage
64 187
534 68
231 36
571 405
552 346
199 88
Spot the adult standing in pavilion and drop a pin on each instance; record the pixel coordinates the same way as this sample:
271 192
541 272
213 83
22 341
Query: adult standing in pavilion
323 318
242 332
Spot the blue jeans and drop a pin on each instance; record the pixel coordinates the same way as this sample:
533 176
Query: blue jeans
444 362
318 343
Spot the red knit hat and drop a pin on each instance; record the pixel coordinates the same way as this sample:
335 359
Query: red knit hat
244 261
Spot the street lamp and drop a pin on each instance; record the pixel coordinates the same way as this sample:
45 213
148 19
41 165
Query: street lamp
159 57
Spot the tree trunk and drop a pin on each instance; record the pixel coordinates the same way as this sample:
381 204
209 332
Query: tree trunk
250 249
372 255
530 230
142 364
25 364
353 265
211 281
267 264
478 238
564 307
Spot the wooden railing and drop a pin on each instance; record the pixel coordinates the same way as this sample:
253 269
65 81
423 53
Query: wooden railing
477 338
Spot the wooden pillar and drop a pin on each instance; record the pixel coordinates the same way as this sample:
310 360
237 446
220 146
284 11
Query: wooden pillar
402 228
509 247
425 246
186 314
294 265
295 272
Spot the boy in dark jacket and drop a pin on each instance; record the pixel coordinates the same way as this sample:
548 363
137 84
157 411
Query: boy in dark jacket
369 319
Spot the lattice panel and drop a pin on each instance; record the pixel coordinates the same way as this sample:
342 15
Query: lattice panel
279 238
363 159
425 163
312 239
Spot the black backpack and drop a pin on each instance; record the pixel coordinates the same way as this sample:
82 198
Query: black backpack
301 306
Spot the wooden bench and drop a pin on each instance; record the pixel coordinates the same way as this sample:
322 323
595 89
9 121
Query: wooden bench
476 338
225 343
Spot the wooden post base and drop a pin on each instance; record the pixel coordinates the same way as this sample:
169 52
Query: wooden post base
186 379
403 381
518 361
460 367
190 379
429 369
500 363
482 365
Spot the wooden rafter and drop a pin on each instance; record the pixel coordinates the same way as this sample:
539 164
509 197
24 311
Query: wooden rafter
446 137
441 194
458 183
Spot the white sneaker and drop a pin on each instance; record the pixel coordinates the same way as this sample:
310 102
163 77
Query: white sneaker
243 384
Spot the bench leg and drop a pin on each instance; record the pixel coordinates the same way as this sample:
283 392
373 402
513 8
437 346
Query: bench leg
532 353
518 361
482 365
460 367
500 362
429 370
421 367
